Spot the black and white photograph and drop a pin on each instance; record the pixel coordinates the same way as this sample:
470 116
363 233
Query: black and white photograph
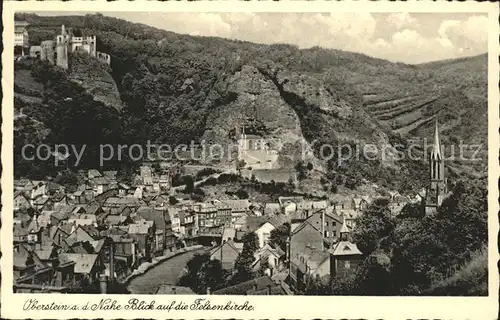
250 153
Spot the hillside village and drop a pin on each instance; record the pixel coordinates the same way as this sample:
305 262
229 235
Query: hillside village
101 230
98 229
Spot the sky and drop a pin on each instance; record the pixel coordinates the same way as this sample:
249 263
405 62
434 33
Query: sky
402 37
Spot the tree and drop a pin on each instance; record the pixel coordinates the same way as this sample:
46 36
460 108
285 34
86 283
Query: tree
301 170
246 258
242 194
241 164
188 181
374 226
279 236
172 200
202 273
67 179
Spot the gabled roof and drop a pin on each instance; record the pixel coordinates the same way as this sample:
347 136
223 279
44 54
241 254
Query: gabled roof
150 214
236 246
284 200
101 181
94 173
254 222
84 262
345 248
138 228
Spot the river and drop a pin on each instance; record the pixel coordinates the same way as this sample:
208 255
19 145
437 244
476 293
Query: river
166 272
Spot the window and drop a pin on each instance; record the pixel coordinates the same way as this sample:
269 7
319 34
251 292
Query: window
347 264
326 223
327 234
265 237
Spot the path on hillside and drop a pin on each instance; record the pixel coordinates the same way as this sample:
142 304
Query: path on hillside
197 183
165 272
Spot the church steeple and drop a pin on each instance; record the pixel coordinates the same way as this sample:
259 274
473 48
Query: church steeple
437 186
344 231
436 148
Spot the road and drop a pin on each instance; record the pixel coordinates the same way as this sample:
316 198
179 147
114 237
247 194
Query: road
166 272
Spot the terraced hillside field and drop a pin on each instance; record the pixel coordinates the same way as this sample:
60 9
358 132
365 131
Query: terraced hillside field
172 88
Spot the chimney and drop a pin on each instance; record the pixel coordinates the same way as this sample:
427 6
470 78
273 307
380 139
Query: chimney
208 290
287 253
103 282
111 261
322 223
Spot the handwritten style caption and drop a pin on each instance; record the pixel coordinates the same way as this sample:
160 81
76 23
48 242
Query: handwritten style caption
107 304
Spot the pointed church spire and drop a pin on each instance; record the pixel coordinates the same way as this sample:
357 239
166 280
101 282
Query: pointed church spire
344 230
436 148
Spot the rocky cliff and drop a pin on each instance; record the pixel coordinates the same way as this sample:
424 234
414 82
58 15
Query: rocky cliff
177 88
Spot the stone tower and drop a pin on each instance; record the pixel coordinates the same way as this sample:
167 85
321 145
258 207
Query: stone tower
62 49
437 183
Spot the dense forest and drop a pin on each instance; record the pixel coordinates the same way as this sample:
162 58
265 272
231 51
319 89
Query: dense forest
177 88
414 254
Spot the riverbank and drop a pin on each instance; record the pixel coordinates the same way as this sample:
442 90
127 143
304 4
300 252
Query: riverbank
144 267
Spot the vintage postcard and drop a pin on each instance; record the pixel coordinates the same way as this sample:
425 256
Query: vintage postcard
250 160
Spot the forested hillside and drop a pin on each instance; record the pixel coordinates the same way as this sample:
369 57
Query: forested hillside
175 88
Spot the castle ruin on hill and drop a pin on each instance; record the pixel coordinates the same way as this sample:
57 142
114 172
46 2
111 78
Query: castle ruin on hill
58 51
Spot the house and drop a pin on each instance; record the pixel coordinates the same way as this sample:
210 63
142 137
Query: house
146 174
240 223
116 202
308 256
83 196
59 200
328 224
59 233
125 251
138 192
238 207
164 182
272 209
42 203
123 189
21 201
39 189
100 184
270 258
258 286
110 174
29 268
158 216
20 234
82 233
344 255
23 185
189 225
87 267
93 173
227 253
209 223
144 233
228 234
264 232
55 188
